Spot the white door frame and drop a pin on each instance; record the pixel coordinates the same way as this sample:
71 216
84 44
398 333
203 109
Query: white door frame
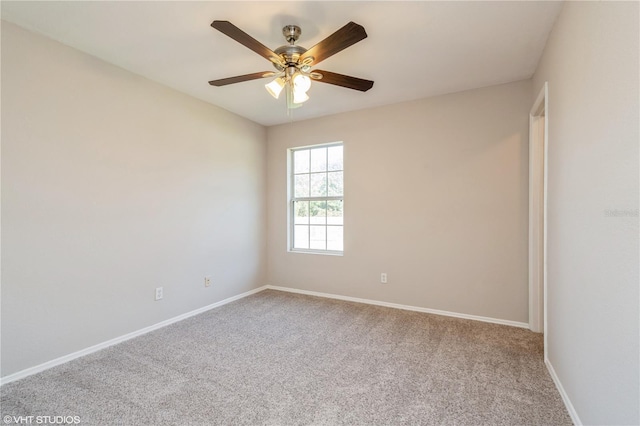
538 148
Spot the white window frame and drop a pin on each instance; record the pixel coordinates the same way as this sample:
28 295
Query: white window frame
292 200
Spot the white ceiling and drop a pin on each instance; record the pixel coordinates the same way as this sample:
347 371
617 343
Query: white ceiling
415 49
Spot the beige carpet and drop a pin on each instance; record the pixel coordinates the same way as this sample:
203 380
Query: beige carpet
282 359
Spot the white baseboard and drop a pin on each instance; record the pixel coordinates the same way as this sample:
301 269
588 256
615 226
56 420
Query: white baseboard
405 307
565 398
66 358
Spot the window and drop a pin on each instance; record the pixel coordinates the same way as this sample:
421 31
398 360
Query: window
316 204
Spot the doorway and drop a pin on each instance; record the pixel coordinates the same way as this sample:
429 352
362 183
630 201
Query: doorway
538 143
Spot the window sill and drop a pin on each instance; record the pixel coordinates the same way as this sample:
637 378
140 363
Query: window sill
323 252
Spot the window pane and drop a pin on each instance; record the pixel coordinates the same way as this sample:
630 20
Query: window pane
318 212
301 212
334 238
318 184
302 186
334 212
317 173
335 158
301 161
335 183
318 237
319 160
301 237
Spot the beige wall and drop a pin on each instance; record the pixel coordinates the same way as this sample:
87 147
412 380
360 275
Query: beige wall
591 64
435 196
113 185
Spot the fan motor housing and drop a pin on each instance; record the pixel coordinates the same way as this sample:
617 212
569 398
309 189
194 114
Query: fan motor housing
290 53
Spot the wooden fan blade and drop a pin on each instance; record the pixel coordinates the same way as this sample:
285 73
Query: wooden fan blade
346 36
241 78
344 80
228 29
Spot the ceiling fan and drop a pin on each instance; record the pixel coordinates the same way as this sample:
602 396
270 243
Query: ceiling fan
293 62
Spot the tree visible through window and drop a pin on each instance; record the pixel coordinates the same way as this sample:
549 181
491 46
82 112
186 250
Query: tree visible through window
317 198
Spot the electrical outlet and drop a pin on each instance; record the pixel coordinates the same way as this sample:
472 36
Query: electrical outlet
159 293
207 281
383 278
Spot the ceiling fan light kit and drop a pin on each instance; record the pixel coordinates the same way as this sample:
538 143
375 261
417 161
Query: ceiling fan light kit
293 62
